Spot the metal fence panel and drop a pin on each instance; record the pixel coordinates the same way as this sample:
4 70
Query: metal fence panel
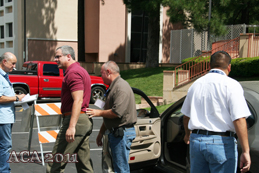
175 46
187 43
199 43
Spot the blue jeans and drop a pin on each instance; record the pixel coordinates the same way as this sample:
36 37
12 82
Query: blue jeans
5 146
213 153
120 148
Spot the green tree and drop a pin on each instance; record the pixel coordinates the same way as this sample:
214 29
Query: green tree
152 8
223 12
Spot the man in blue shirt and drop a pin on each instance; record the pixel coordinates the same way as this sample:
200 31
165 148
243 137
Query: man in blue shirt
7 110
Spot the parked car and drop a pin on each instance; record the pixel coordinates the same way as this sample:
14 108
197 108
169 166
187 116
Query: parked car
159 142
45 79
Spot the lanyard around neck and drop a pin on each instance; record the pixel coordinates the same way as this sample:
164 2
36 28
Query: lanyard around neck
217 71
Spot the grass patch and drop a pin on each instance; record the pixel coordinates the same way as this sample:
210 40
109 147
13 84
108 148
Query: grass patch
149 80
163 107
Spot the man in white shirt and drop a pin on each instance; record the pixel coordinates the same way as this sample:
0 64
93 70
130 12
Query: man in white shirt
215 109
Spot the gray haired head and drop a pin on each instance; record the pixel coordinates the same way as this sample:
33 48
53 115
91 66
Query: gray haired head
111 65
67 50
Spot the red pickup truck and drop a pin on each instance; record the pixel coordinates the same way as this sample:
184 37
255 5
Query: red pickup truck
45 79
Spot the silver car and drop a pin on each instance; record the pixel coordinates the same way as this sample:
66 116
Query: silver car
159 145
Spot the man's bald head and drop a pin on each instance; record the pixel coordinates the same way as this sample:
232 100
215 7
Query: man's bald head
7 56
8 62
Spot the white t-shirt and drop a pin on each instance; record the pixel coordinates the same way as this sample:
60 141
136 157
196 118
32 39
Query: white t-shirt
214 101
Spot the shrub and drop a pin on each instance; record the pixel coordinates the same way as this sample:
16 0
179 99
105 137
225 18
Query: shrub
240 67
244 67
196 60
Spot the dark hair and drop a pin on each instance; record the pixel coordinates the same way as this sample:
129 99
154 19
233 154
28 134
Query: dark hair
220 59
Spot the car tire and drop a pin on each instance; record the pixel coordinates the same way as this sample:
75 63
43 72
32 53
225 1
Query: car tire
20 90
97 92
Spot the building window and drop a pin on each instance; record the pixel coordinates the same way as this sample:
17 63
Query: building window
1 3
1 13
9 9
9 29
9 0
2 31
1 45
139 29
9 44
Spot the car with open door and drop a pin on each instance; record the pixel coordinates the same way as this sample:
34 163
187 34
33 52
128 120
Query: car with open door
159 141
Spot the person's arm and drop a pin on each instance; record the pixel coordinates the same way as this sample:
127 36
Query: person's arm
76 109
241 130
187 131
100 135
7 99
101 113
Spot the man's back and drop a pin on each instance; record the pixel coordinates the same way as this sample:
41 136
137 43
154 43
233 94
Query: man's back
215 100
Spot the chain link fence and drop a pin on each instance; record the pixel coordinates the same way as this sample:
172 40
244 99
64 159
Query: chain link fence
187 43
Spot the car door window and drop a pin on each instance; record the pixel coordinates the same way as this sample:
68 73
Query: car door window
50 70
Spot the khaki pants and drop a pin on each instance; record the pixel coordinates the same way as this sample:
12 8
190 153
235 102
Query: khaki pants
80 146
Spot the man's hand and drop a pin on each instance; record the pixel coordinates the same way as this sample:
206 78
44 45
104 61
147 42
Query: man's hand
241 130
187 139
245 162
70 135
99 140
186 130
20 96
93 112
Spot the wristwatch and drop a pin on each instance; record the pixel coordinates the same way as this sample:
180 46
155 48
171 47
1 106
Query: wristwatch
17 98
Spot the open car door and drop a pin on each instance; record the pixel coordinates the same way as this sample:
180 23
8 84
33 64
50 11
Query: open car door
146 148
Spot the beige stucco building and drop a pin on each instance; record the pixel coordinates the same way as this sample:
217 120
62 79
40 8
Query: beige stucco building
111 33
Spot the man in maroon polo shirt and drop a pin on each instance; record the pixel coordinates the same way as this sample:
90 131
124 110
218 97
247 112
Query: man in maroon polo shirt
73 137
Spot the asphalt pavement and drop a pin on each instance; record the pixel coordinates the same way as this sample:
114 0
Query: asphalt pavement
20 137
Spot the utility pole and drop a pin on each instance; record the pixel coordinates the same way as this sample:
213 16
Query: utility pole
208 44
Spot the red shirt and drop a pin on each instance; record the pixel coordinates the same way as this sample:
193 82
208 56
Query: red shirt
76 78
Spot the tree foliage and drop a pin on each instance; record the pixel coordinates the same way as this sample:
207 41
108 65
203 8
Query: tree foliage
195 14
223 12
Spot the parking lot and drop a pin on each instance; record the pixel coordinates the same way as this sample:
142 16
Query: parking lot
20 136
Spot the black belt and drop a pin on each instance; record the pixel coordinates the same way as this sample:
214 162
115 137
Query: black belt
128 125
124 126
206 132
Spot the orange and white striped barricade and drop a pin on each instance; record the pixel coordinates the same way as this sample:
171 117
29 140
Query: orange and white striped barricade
49 136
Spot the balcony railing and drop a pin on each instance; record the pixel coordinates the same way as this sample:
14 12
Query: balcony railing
199 66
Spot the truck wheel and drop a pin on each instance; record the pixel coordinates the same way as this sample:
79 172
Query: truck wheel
97 92
20 90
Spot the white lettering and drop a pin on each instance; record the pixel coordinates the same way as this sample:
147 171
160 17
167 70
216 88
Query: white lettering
49 158
25 157
22 153
13 158
35 157
58 157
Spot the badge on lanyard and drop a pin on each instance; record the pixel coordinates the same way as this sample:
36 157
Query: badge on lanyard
100 103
